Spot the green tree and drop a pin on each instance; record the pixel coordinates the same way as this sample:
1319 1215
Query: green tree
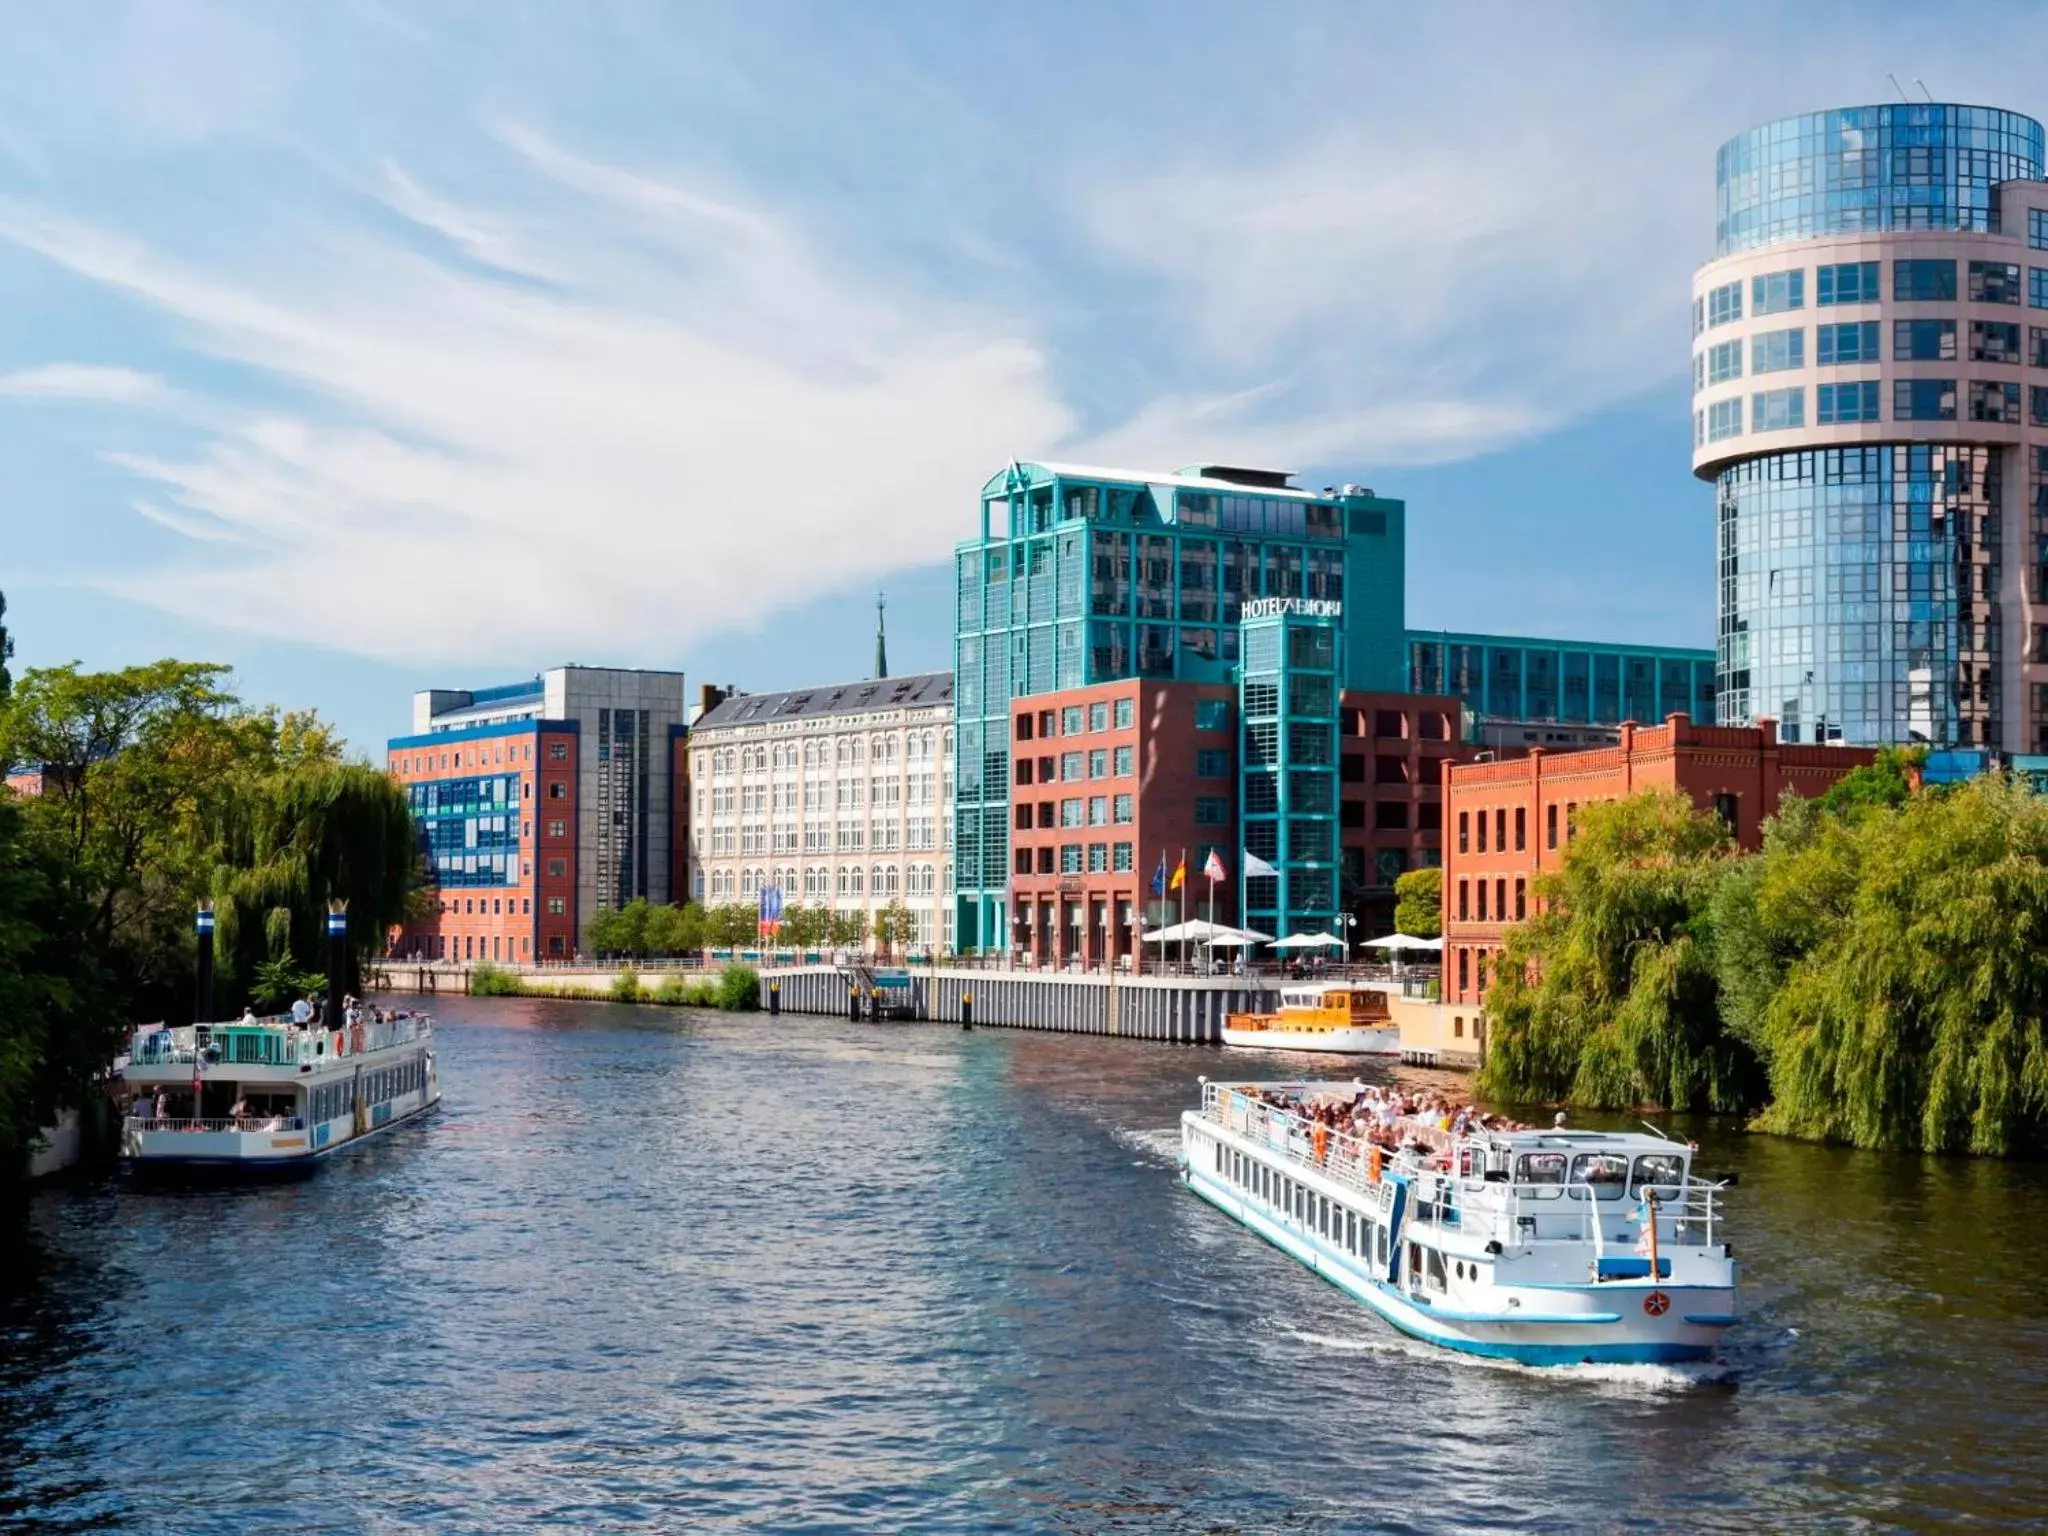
1885 783
666 931
60 1023
1912 1006
894 927
1419 903
804 927
1606 995
846 930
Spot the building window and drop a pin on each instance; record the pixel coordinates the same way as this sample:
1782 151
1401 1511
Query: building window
1776 410
1125 757
1724 419
1852 341
1212 714
1849 282
1992 401
1772 293
1923 400
1923 341
1994 341
1211 811
1923 282
1724 304
1724 362
1124 714
1994 282
1841 404
1777 351
1212 763
1120 858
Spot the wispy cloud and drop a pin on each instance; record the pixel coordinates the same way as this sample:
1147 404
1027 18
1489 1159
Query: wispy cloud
550 464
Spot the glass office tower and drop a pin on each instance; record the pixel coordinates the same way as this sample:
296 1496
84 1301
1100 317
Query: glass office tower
1287 806
1085 575
1870 379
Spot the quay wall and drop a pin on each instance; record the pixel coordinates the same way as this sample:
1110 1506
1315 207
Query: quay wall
1185 1010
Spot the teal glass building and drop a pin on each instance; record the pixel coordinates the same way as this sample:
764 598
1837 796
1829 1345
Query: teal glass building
1085 575
1289 686
1564 682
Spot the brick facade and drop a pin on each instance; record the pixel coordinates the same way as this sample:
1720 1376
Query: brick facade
1506 822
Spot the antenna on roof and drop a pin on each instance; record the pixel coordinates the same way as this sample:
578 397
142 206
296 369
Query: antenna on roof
1896 86
1923 89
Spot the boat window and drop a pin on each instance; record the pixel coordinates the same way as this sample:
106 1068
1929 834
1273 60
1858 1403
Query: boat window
1662 1171
1607 1172
1541 1168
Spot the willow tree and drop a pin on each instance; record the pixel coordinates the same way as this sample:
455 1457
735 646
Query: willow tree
295 839
1607 995
1912 1016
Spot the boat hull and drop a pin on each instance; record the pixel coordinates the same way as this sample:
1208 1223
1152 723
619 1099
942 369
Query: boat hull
1346 1041
210 1160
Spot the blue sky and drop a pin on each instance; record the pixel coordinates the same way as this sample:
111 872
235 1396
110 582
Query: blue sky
373 346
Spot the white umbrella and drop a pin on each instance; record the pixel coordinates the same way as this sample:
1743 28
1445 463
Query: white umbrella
1308 941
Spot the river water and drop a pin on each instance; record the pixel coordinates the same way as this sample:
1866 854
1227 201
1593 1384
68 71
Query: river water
658 1270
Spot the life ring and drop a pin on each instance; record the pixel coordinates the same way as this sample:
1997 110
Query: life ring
1656 1303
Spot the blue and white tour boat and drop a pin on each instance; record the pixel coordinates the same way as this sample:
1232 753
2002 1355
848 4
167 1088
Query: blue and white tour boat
271 1095
1546 1247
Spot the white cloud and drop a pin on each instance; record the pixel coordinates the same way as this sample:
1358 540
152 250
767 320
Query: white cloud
478 464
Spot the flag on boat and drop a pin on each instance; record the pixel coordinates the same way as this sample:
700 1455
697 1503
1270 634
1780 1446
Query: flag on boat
1214 868
1159 876
1180 874
1254 865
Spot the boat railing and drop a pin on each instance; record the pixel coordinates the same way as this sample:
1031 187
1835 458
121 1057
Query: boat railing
1516 1214
272 1043
230 1123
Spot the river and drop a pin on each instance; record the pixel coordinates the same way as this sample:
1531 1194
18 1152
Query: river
660 1270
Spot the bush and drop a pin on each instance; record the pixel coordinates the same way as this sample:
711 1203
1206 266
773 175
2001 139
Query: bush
626 987
739 989
493 981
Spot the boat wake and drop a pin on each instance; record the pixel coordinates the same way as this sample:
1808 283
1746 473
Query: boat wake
1685 1377
1160 1147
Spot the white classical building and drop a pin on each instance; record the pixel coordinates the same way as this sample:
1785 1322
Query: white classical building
840 795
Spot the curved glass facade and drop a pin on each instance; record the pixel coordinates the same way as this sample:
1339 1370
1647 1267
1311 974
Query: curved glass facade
1853 593
1926 165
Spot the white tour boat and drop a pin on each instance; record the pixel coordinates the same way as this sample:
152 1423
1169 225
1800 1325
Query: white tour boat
1547 1247
1332 1016
271 1095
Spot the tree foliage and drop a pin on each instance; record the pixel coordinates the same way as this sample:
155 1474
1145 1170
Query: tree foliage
1607 995
1914 990
1419 903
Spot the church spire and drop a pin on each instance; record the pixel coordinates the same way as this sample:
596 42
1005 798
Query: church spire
881 639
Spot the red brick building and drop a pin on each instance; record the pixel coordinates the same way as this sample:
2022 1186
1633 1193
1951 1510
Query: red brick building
1506 822
1108 779
1392 750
